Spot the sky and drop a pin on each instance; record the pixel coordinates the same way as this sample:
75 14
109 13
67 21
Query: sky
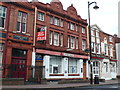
106 17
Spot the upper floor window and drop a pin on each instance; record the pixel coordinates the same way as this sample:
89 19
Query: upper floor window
93 46
50 37
76 27
2 16
72 26
61 39
51 20
77 43
61 22
97 34
56 39
110 38
72 42
83 30
56 21
21 22
83 44
68 41
92 33
98 48
41 16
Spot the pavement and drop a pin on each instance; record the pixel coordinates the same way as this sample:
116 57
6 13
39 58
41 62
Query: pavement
56 85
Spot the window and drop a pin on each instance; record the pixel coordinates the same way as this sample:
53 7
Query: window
72 26
77 43
83 44
21 22
76 27
1 52
61 40
41 16
56 21
56 39
111 50
98 48
61 22
55 64
96 67
110 38
93 46
83 30
106 66
51 20
68 41
2 16
105 49
50 38
97 34
72 42
92 33
72 65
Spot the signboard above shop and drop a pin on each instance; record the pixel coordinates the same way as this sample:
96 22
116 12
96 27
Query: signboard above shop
41 34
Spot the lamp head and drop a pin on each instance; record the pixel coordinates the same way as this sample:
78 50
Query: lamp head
95 7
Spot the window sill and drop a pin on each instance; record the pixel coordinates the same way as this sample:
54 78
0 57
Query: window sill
56 74
73 74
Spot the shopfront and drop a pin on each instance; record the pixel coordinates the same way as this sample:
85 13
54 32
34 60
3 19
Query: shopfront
60 65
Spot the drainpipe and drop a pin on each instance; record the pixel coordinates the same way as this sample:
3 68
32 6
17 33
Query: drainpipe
34 43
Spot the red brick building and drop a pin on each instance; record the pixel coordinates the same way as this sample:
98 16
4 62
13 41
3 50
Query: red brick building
16 34
62 41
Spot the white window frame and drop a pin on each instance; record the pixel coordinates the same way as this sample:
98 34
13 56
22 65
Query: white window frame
61 22
72 26
21 20
56 21
76 27
2 8
50 37
51 19
56 40
61 39
83 30
41 16
77 43
83 44
72 42
110 39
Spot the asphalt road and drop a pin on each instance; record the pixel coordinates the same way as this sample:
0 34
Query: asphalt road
95 87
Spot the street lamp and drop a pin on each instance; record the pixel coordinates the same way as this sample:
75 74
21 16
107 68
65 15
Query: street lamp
95 7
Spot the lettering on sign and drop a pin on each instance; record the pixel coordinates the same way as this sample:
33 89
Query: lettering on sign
20 38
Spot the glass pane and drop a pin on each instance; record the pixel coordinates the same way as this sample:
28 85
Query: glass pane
23 27
18 53
1 22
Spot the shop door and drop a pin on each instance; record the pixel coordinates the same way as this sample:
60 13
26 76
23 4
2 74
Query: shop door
18 63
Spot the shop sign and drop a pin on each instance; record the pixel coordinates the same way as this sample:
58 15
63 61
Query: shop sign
20 37
3 35
38 57
41 35
68 54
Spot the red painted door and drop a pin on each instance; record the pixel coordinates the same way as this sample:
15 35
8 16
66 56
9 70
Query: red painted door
18 63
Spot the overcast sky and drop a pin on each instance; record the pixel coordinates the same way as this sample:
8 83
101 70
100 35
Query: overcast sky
106 17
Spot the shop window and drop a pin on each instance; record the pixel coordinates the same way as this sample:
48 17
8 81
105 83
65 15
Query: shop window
2 16
55 64
72 65
41 16
21 22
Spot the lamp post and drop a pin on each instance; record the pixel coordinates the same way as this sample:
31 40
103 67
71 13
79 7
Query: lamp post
95 7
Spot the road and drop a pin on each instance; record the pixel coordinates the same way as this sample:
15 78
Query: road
95 87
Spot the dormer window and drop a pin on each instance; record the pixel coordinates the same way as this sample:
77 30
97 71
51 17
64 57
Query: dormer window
110 38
